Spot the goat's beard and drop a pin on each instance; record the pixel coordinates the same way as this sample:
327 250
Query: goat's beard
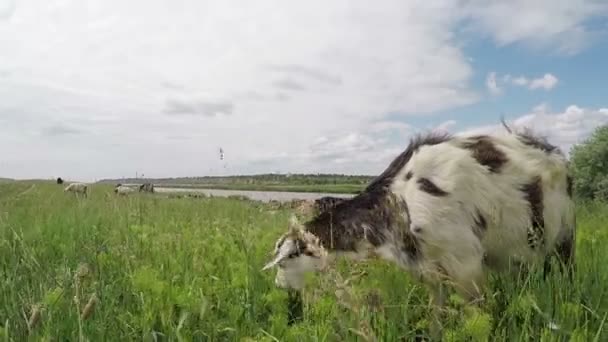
286 279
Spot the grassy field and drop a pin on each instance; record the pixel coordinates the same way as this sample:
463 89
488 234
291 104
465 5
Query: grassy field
189 269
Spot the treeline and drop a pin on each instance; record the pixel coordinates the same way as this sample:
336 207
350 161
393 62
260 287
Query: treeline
266 179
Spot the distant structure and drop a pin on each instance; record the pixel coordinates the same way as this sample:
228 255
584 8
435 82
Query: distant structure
59 180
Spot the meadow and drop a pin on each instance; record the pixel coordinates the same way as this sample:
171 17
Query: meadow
147 267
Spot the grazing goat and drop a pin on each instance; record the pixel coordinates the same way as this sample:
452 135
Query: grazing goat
447 208
146 187
123 190
77 188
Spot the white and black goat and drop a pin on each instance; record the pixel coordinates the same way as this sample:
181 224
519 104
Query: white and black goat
448 207
77 188
146 187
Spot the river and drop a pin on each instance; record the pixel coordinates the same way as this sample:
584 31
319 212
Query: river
264 196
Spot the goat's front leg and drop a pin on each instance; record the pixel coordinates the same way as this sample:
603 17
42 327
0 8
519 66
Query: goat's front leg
469 278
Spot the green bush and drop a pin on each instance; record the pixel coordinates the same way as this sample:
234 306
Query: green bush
590 166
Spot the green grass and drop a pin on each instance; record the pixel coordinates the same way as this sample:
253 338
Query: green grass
189 269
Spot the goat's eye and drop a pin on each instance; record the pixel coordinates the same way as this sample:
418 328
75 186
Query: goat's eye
293 254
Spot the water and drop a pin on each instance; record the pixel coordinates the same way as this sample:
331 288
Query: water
264 196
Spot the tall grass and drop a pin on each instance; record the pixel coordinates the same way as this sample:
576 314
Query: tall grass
149 268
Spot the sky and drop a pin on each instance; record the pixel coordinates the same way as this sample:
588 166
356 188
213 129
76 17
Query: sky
93 89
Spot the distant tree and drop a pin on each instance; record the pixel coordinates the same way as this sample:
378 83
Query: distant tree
590 165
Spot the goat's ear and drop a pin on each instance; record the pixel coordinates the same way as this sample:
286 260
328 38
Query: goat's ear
280 255
272 263
295 227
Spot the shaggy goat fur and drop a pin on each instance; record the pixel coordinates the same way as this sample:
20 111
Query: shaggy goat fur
448 207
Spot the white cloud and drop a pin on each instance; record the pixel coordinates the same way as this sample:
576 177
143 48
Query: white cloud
92 89
7 7
564 129
558 25
520 81
547 82
491 84
260 79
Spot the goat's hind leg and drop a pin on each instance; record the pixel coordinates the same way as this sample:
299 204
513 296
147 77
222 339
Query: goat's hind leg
564 253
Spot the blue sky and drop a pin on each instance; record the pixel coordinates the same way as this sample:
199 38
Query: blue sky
103 89
581 79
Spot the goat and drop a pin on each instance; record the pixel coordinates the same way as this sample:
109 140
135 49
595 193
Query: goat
146 187
77 188
449 207
123 190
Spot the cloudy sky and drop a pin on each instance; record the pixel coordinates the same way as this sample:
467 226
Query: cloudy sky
107 88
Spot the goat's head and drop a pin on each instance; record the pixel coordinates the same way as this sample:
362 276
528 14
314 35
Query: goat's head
296 252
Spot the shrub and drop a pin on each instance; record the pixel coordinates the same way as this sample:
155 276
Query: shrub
590 165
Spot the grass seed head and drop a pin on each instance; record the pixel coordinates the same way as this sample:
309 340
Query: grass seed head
82 271
90 307
35 317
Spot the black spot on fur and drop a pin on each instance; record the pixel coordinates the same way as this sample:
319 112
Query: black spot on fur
480 225
409 175
411 245
431 188
529 138
369 216
484 151
386 177
341 227
569 185
534 195
374 214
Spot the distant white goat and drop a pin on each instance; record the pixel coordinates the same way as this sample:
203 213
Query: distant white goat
123 190
447 208
77 188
